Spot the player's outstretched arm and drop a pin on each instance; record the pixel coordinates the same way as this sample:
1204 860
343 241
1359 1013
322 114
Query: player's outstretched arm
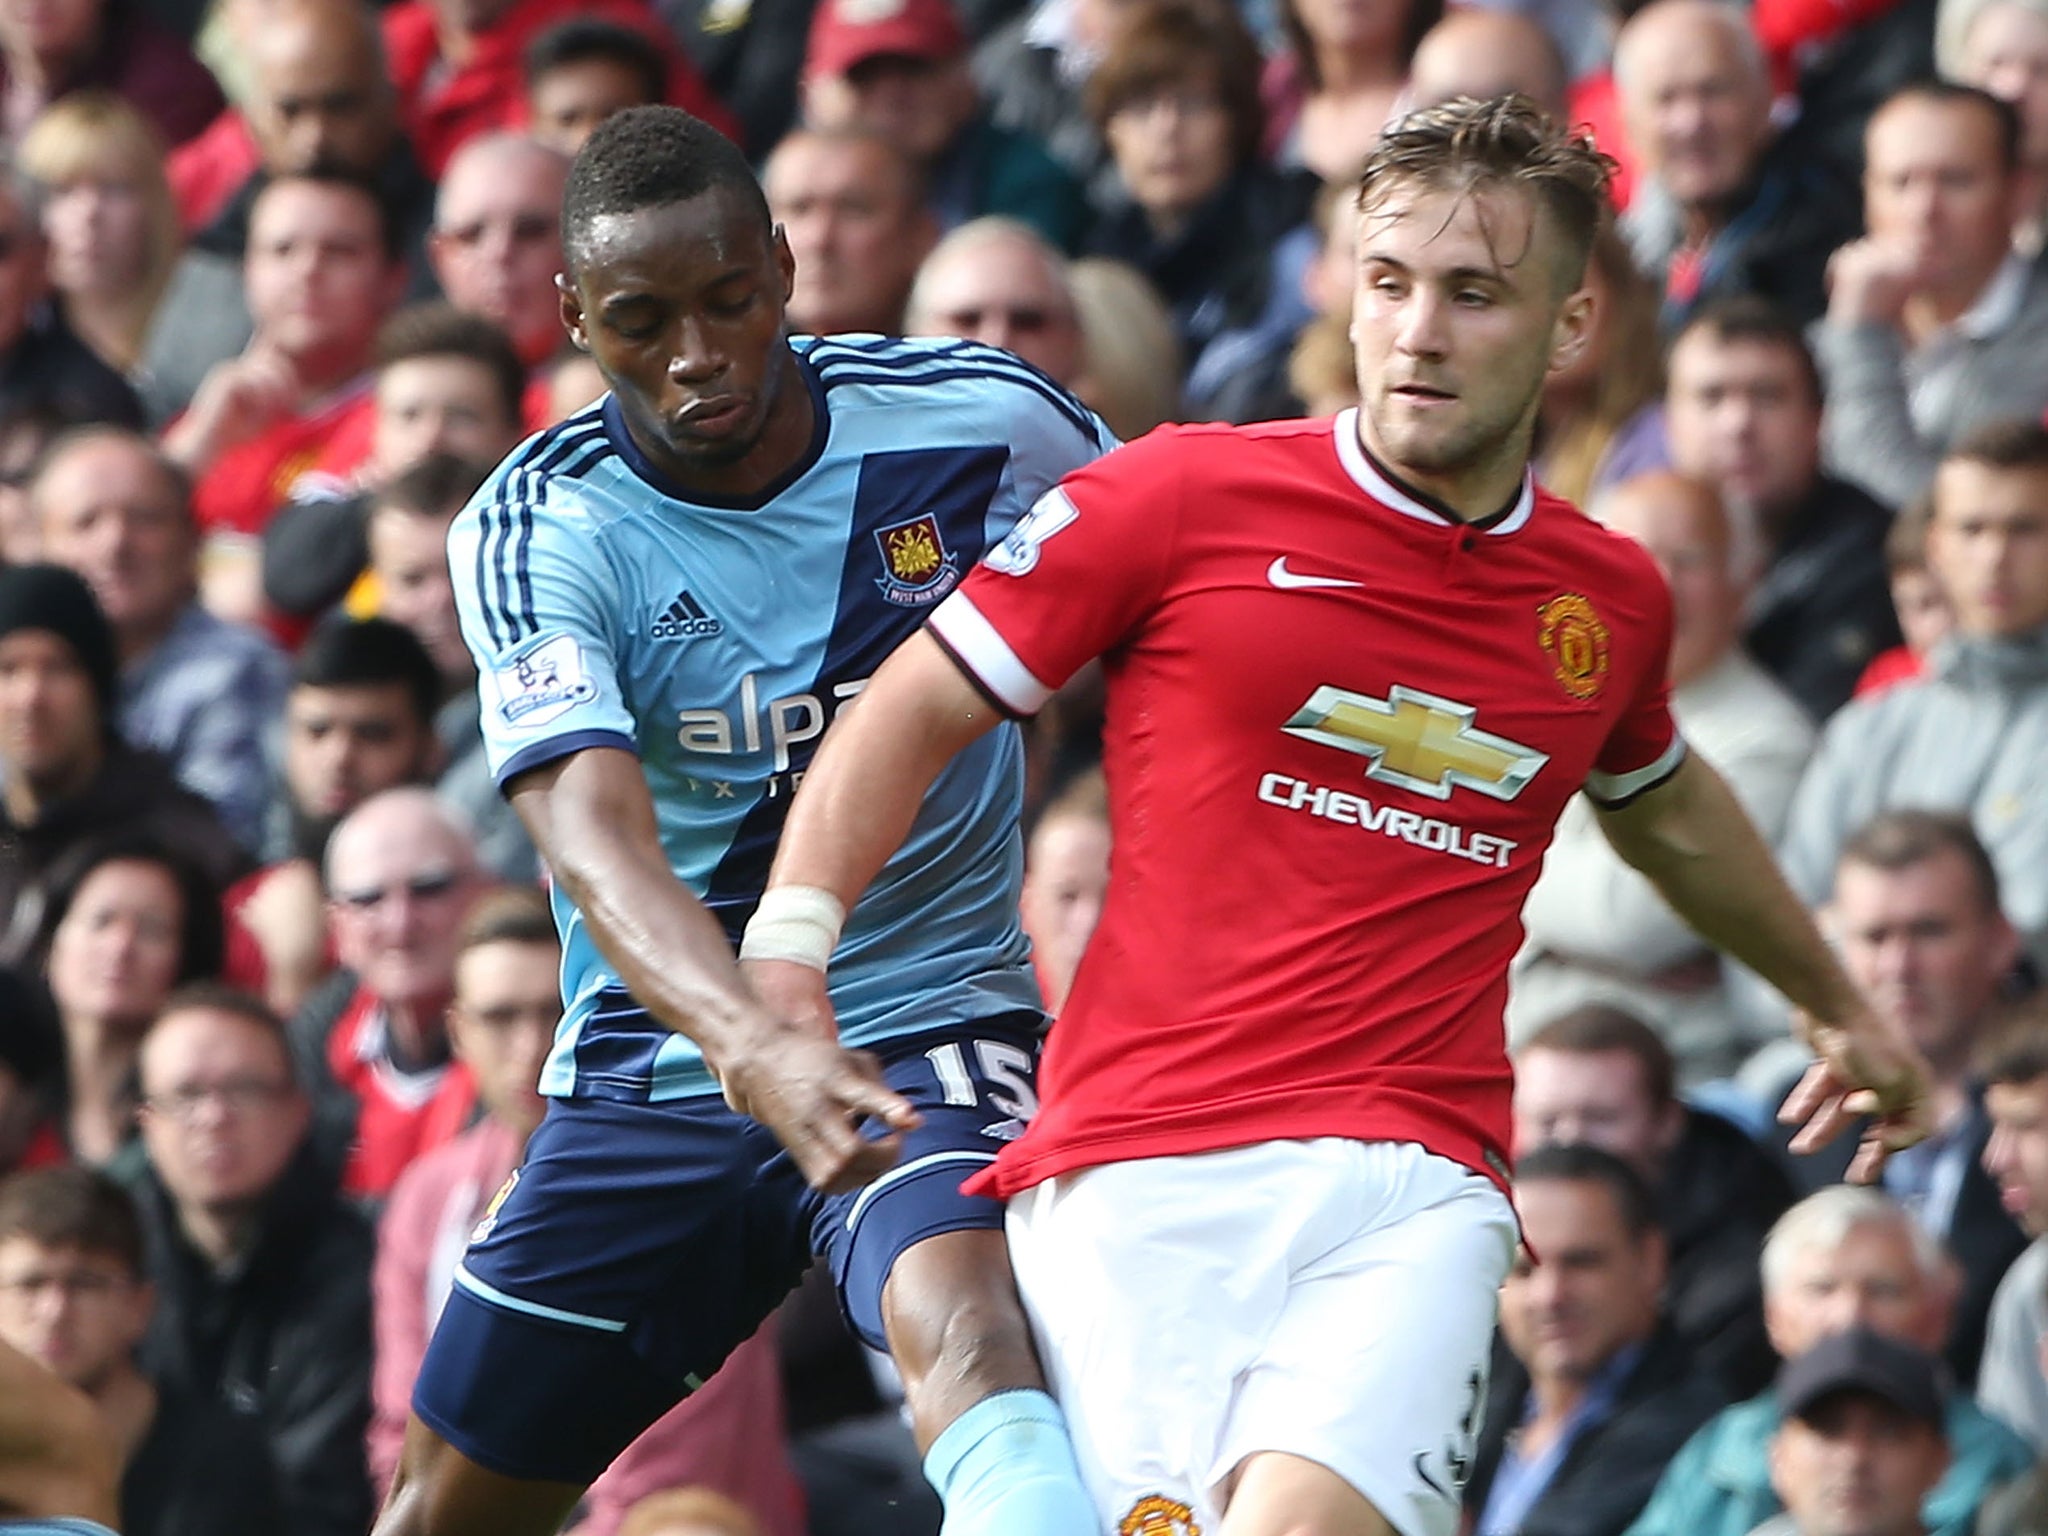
858 800
1692 839
592 818
57 1458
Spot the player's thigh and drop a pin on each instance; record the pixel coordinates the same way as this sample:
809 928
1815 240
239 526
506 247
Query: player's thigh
975 1087
1275 1494
637 1245
441 1492
1375 1367
1150 1286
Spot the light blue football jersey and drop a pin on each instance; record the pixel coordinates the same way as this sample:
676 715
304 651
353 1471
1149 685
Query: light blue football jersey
718 639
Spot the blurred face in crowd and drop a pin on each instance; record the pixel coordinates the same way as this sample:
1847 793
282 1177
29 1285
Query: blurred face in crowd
1001 290
850 210
1854 1465
221 1116
318 281
409 556
1988 547
497 241
1681 524
1695 99
1483 54
1354 26
111 513
1066 876
575 382
23 269
1595 1289
49 715
78 1311
399 882
1872 1278
321 99
2017 1153
52 31
1457 319
508 1000
2006 52
1925 617
1173 147
919 105
468 17
439 405
1740 414
565 104
1924 948
345 744
1597 1099
1934 184
115 955
97 228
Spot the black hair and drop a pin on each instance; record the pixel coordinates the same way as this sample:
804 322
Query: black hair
1580 1164
201 932
651 157
370 653
1753 318
588 39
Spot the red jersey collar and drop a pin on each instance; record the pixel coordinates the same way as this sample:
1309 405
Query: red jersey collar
1369 478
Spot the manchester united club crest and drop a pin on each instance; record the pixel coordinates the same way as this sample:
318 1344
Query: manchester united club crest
1573 636
1157 1515
488 1223
918 568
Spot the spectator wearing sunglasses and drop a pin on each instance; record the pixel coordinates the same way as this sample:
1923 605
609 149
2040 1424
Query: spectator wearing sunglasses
997 280
371 1042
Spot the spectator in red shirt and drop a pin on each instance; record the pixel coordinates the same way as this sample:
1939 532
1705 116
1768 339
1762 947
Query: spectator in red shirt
458 66
321 272
372 1042
52 49
497 239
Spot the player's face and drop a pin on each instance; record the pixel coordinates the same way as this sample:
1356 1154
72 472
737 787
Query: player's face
1596 1288
1456 321
682 307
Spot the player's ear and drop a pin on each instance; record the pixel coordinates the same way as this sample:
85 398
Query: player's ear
1573 332
572 311
785 262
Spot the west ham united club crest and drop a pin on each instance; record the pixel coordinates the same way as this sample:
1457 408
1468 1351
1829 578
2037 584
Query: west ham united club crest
917 567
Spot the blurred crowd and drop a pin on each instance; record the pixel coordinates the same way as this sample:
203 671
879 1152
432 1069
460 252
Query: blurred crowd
277 289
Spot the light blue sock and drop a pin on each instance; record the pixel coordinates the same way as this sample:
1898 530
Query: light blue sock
1005 1467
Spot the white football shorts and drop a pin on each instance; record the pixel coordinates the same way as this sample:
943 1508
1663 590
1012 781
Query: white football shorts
1332 1299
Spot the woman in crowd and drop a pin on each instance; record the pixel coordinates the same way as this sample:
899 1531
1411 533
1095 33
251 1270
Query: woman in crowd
1130 356
1601 420
1343 74
109 219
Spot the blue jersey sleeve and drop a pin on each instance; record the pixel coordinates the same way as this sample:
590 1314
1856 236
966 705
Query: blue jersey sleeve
539 600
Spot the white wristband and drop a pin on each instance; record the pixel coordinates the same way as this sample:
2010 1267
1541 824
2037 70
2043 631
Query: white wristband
794 922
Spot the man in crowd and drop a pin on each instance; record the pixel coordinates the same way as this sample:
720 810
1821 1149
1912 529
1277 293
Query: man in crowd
901 72
371 1043
497 240
1596 929
1481 52
65 774
262 1273
853 211
1594 1391
1935 324
44 368
1970 737
321 275
2012 1380
1601 1077
1863 1439
1742 411
1726 204
1841 1258
318 100
74 1294
579 72
997 280
202 692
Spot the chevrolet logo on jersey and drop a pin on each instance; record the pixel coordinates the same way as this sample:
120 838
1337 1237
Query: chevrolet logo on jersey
1417 741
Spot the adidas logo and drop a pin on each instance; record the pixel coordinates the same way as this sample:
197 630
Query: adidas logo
685 620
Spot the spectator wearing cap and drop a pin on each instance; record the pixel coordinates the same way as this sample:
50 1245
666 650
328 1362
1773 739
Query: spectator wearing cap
201 691
1844 1257
898 68
1863 1439
67 774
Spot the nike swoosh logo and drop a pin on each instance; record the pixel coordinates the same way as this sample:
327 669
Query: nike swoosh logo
1288 581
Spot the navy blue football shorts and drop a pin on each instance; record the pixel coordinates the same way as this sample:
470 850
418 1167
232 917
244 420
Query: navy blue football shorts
640 1243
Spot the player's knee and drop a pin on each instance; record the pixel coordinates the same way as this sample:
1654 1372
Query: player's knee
980 1343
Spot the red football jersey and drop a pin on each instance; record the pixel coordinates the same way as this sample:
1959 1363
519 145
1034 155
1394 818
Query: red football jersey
1341 728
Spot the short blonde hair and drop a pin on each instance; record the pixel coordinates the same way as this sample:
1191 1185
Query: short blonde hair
97 135
1131 362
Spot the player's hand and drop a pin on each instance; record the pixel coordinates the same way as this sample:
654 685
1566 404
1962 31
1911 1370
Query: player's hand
815 1094
1865 1069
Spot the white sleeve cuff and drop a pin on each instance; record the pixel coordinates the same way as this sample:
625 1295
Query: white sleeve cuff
974 643
1613 790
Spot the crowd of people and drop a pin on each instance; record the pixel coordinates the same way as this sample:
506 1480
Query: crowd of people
277 971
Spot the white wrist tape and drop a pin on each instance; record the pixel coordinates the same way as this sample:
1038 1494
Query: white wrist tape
794 922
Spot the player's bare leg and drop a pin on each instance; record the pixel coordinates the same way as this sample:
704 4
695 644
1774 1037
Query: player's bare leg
1276 1494
440 1492
995 1444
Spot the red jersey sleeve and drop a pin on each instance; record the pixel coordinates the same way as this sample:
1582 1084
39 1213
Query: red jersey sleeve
1644 748
1075 577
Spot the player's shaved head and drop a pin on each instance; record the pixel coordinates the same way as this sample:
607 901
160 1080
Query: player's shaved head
1478 52
649 157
